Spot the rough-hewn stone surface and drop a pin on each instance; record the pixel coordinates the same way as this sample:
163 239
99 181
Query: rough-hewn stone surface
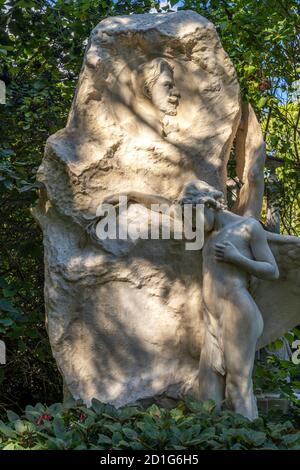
128 327
157 105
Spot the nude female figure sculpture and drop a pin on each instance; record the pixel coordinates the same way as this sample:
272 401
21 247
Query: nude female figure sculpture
235 248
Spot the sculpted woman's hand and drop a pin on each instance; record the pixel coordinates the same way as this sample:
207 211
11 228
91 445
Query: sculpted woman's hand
226 252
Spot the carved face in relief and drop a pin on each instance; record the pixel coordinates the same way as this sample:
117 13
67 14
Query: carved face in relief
156 79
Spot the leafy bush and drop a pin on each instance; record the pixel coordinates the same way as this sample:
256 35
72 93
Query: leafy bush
190 425
277 375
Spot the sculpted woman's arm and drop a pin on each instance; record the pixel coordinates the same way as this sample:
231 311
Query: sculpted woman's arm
147 200
150 201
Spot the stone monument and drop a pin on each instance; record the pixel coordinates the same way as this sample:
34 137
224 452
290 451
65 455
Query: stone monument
157 107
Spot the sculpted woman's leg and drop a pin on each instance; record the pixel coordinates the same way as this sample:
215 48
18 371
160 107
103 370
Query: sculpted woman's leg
243 325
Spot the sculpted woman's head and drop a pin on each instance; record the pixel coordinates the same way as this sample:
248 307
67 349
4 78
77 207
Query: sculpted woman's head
199 192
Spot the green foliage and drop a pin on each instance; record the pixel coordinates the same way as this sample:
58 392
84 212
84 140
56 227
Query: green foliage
283 142
263 39
277 375
190 425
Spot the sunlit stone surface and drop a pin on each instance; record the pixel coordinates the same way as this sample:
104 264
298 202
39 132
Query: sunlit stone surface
157 105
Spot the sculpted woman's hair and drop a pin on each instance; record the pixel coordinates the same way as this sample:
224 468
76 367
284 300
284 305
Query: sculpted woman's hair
200 192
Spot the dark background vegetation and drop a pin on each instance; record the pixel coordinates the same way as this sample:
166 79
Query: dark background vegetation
42 44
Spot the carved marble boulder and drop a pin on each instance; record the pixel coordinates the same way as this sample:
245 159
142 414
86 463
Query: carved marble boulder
157 105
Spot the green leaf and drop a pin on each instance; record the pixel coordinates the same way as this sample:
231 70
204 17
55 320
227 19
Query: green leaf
6 321
3 282
103 439
6 306
249 70
130 433
6 430
12 416
97 406
59 427
116 438
209 405
20 426
291 439
10 446
262 102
